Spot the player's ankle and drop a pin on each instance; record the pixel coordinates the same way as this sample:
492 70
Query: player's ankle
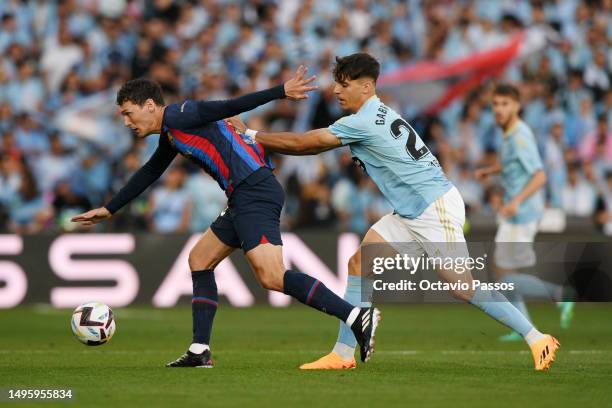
346 352
533 336
198 348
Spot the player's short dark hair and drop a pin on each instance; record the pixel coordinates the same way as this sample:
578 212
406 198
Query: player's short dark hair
138 91
355 66
507 90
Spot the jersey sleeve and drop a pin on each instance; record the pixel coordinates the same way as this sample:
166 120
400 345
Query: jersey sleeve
145 176
181 116
527 153
211 111
191 114
349 129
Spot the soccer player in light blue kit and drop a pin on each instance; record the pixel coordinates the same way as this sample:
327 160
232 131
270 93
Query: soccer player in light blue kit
523 179
428 209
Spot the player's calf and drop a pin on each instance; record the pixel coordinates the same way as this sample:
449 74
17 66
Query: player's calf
203 308
204 256
354 264
451 276
266 261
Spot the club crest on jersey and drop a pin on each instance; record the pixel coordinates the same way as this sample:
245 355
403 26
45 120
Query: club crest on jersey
248 139
170 138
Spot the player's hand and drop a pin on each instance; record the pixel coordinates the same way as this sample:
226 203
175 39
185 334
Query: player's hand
237 124
297 87
510 209
92 217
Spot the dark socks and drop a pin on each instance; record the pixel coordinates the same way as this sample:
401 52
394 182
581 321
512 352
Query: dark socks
203 304
313 293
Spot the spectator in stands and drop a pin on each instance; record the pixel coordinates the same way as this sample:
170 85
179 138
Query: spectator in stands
28 213
133 216
596 147
208 200
57 53
10 179
66 204
54 165
170 205
603 213
578 194
554 163
471 190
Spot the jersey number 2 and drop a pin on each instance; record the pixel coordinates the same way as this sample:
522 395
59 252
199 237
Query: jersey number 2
396 131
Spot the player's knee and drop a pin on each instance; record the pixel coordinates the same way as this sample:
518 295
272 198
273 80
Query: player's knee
198 262
354 265
270 281
464 295
269 276
192 260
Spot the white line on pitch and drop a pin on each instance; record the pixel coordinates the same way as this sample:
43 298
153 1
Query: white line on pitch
381 352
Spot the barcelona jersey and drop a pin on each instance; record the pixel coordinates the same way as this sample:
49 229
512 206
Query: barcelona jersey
216 147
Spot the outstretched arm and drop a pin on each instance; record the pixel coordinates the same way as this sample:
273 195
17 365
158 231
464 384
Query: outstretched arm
299 144
143 178
296 88
295 144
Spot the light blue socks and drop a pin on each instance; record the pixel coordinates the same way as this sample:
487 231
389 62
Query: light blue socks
532 286
497 306
346 342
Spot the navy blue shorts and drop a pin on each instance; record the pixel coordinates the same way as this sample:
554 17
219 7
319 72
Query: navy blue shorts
253 213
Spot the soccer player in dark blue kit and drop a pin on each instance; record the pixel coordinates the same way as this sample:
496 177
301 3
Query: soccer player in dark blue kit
196 130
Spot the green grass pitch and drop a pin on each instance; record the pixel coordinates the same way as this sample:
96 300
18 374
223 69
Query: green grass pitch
427 355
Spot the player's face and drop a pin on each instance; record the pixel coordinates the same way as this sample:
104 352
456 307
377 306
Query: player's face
139 119
505 109
352 93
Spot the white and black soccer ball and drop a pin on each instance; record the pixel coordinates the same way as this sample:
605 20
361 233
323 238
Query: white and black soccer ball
93 323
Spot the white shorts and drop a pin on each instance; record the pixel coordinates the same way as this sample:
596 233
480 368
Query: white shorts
514 245
438 231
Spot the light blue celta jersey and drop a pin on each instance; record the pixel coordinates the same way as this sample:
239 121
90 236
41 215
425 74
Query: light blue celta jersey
394 156
520 159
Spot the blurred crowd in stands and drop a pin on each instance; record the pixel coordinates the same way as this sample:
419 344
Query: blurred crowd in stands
63 149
